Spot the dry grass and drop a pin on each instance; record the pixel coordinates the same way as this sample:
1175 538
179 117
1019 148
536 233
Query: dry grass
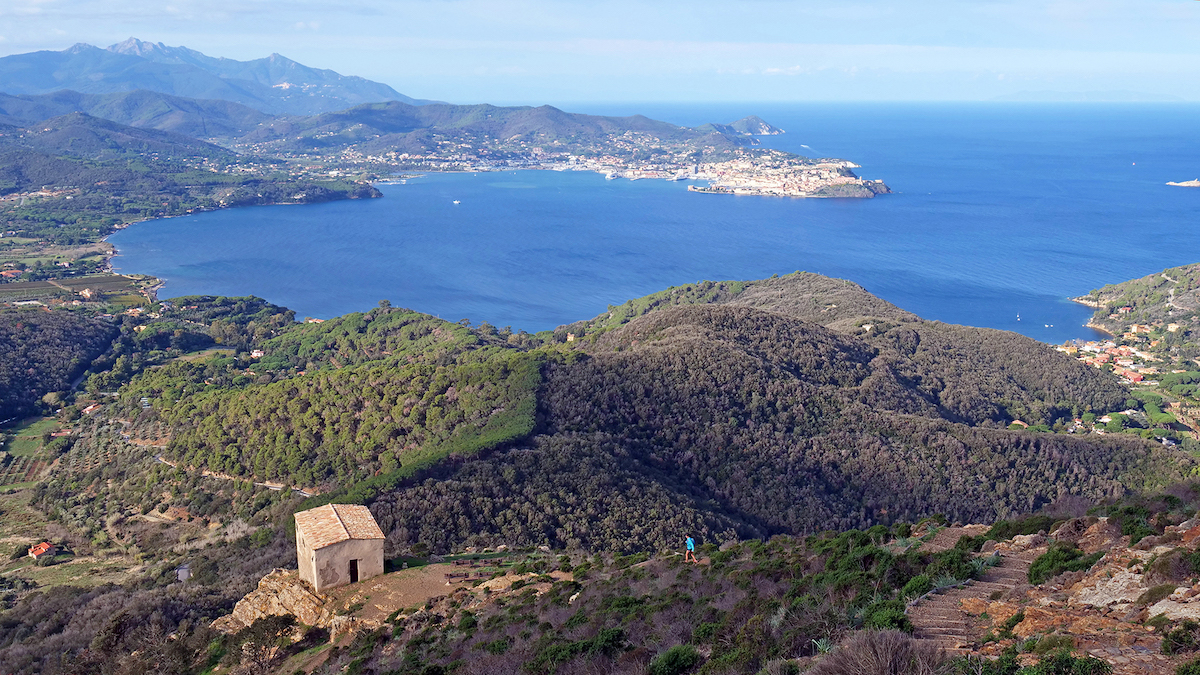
886 652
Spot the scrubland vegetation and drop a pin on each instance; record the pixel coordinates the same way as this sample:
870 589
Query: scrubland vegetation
737 411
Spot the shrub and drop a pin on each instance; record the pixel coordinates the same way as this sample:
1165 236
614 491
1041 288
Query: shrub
1007 529
1155 594
1061 557
780 667
917 586
1006 628
886 615
1052 643
498 646
1182 639
1190 668
884 652
1062 663
675 661
954 562
705 632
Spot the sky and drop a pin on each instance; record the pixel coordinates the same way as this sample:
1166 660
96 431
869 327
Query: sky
562 51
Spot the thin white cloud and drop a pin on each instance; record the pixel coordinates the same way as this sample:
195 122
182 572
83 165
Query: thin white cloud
530 45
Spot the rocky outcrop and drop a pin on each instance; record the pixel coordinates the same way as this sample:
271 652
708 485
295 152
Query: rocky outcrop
280 593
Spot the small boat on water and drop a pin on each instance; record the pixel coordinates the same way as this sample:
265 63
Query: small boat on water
611 175
457 202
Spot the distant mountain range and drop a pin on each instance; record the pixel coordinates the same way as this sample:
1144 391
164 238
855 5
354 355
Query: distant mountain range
275 84
400 127
277 104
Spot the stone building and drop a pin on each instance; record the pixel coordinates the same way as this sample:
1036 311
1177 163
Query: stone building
338 544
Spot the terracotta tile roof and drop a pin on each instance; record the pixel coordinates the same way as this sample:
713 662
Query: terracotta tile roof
40 548
333 523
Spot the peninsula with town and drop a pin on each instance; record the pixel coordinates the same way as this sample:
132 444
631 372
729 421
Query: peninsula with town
149 131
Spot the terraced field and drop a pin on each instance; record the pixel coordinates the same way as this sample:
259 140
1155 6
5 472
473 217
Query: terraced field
22 469
23 459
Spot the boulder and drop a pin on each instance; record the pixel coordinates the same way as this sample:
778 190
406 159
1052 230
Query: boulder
1072 530
1190 535
1175 610
1023 542
280 593
1099 536
1101 590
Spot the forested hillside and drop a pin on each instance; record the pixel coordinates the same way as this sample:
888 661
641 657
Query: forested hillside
739 422
390 388
401 127
101 174
723 407
187 324
40 352
729 410
142 109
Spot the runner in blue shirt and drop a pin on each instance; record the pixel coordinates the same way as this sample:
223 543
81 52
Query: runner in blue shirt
690 556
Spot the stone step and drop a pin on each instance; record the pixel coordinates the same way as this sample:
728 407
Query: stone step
932 614
951 639
944 635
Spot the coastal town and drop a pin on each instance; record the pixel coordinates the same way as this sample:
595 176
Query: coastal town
1163 382
740 171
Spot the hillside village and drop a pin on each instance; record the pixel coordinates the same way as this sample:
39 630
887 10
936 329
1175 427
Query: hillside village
1146 357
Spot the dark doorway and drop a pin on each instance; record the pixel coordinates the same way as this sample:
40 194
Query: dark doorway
353 571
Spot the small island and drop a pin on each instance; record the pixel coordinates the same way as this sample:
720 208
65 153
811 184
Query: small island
1186 183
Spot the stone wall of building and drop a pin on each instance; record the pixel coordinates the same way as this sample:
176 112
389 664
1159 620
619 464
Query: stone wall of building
331 567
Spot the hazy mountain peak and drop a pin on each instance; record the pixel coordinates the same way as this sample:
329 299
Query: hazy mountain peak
755 126
180 71
136 47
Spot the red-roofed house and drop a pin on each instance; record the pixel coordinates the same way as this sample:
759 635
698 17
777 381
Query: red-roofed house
43 550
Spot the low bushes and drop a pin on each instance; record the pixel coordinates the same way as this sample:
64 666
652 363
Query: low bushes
1061 557
675 661
885 652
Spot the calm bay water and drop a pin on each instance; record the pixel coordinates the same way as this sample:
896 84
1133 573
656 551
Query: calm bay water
1001 210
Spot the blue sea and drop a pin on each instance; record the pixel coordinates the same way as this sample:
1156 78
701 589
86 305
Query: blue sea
999 211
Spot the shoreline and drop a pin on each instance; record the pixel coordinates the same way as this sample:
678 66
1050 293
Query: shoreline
1087 301
1102 329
